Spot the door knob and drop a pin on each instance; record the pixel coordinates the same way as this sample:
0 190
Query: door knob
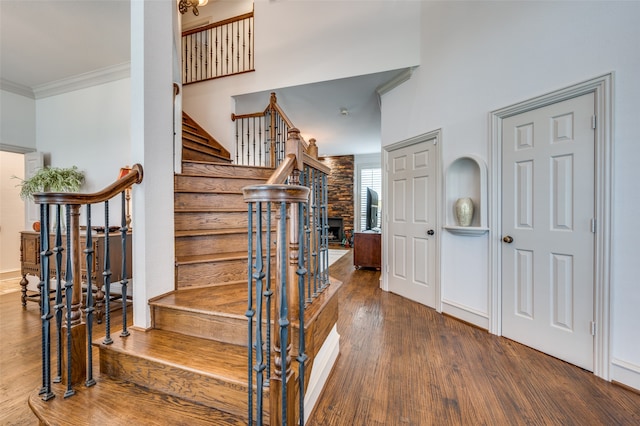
508 239
431 232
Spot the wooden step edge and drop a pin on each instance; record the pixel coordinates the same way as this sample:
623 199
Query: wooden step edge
213 210
186 233
209 232
202 145
240 166
224 177
208 191
205 258
173 347
211 312
119 403
204 152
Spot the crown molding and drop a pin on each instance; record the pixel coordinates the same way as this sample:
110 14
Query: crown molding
18 89
82 81
396 81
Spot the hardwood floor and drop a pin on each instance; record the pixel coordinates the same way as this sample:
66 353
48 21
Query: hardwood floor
400 364
20 365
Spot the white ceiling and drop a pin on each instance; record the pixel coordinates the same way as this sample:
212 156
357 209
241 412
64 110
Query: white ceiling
45 41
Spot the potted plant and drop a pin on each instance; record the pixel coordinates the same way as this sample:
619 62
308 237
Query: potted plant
52 179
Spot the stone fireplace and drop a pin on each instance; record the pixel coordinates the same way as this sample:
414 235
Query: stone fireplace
336 229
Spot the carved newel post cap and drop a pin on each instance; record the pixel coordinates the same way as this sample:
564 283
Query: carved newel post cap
313 148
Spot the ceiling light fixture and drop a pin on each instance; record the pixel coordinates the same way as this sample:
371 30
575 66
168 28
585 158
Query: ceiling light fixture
184 5
344 111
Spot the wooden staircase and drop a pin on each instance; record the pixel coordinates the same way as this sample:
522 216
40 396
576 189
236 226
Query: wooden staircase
198 145
197 347
191 366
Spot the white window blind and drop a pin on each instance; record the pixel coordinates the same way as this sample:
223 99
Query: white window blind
370 178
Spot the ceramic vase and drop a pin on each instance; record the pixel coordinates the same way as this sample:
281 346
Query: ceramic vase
464 211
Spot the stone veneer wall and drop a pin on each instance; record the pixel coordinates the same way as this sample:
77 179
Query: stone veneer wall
340 183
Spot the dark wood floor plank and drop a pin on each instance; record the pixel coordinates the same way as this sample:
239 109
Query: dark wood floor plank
404 364
400 364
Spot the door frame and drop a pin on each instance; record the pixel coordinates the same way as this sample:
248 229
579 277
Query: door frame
602 87
436 136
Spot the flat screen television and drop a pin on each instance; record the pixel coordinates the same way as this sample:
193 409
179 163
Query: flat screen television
372 209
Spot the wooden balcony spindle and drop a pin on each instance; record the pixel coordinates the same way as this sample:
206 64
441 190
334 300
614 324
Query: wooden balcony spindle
75 336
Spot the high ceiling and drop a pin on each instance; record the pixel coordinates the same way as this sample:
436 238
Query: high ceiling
45 41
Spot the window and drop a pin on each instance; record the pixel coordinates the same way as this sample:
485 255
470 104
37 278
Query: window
369 178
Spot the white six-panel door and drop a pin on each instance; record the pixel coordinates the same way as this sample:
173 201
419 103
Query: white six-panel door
548 229
412 223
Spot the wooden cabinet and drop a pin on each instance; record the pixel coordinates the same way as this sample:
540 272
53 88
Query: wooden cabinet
30 259
367 247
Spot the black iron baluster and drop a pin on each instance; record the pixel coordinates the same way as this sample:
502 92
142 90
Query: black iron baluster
259 142
250 313
88 251
268 292
253 135
259 280
306 181
237 139
283 321
68 294
45 282
58 305
301 272
106 276
124 279
317 221
325 232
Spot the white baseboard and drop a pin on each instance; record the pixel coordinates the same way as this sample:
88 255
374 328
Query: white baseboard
10 274
322 366
466 314
625 373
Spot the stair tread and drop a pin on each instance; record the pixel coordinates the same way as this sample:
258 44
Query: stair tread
213 209
203 175
215 359
206 191
119 403
229 300
205 232
202 258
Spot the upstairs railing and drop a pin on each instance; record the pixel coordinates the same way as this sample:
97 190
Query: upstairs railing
217 50
62 257
296 195
260 137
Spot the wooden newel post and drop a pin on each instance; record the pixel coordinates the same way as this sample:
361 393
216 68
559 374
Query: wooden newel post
313 149
272 130
78 327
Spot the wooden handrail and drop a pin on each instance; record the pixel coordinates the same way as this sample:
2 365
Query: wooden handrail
133 177
218 24
284 170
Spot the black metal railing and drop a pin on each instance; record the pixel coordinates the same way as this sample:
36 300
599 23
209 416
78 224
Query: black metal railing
260 137
74 307
217 50
301 274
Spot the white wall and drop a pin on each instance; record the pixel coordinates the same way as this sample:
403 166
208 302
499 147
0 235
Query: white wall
17 121
88 128
295 45
11 212
481 56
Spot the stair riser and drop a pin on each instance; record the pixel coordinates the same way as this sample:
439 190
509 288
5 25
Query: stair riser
195 155
226 170
201 201
213 220
219 328
172 380
202 274
211 244
197 183
192 135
